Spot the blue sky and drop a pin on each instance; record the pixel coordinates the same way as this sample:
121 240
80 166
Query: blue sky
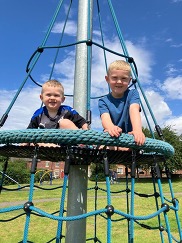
152 34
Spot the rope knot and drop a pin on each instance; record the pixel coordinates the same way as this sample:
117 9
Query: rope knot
166 206
110 210
27 207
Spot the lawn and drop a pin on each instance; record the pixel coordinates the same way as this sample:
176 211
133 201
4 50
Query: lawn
43 229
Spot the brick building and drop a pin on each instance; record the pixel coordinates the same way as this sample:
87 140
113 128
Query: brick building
57 168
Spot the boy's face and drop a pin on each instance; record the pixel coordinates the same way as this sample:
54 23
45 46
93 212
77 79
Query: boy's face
118 81
52 98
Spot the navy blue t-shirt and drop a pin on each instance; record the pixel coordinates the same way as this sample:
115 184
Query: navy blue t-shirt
41 118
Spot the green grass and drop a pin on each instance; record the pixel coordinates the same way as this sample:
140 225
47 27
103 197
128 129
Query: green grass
42 229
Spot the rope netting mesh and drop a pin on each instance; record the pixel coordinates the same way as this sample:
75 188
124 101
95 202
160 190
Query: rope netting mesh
88 137
104 204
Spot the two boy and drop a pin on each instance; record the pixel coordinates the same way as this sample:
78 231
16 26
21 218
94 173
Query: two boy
119 110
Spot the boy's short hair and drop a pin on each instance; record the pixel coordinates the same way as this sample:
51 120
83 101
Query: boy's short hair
53 83
119 65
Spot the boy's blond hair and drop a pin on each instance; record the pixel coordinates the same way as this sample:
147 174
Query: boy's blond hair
53 83
119 65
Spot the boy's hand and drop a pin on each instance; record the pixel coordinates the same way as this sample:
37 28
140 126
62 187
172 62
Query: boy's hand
139 137
114 131
85 126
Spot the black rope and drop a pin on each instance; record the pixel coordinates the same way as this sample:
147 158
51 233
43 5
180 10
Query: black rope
87 42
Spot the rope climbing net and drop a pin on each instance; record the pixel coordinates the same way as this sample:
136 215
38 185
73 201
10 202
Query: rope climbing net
73 155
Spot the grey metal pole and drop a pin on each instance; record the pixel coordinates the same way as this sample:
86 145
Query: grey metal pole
80 85
78 176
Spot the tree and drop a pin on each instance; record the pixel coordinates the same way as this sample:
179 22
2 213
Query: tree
97 170
175 162
17 171
170 136
2 159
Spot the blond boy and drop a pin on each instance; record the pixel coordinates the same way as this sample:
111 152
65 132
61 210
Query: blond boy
120 109
53 114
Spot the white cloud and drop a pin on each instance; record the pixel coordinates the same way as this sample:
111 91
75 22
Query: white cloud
71 11
158 106
173 87
28 100
169 40
97 33
67 66
162 113
177 45
70 29
143 59
20 114
176 1
175 123
171 70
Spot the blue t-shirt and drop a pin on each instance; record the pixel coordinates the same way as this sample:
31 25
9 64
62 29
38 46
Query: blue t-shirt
118 108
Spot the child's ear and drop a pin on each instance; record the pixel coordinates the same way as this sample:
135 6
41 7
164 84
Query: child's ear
63 99
130 80
107 79
41 97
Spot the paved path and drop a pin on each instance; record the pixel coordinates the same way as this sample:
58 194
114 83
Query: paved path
15 203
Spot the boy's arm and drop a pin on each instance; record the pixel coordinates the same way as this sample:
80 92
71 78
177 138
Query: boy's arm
109 127
135 118
85 126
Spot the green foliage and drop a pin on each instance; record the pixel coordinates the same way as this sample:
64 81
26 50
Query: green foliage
1 166
17 171
2 159
170 136
42 175
147 132
97 170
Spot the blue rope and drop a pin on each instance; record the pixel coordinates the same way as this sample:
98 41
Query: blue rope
60 223
122 42
109 224
27 222
96 212
176 208
35 60
150 216
157 206
103 44
62 33
89 57
89 137
70 218
165 214
10 209
131 223
89 214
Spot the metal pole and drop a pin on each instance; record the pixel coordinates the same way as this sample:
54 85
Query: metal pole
78 176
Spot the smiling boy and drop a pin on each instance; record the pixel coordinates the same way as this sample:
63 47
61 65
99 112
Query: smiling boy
53 114
120 109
